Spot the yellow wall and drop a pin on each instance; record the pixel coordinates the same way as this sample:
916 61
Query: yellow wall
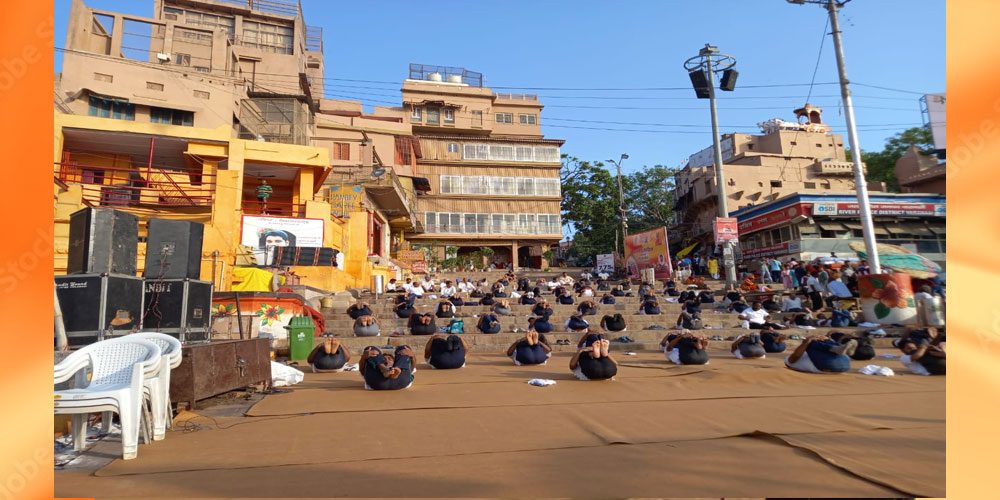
223 219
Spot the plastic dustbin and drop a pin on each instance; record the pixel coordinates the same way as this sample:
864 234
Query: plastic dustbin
301 331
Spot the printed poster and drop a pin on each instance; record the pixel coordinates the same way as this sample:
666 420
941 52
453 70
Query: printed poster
263 231
648 250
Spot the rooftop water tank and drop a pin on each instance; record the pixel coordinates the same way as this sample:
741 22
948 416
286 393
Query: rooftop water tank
434 77
454 78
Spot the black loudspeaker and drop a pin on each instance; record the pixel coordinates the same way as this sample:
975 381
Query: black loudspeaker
302 256
729 80
93 303
102 240
178 307
173 249
700 82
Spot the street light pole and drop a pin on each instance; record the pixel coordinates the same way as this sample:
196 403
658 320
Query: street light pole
704 62
860 184
621 201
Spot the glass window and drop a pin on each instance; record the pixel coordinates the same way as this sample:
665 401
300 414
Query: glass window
482 223
171 116
501 152
525 186
497 226
786 233
524 119
433 116
928 246
470 223
268 37
477 118
430 222
524 153
456 223
452 147
108 108
509 223
416 115
505 118
449 115
450 184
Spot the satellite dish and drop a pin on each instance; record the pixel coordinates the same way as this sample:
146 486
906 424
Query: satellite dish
378 172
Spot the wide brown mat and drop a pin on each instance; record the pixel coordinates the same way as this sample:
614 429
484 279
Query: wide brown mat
730 467
491 380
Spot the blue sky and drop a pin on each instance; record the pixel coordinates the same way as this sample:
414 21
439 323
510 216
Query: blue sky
562 45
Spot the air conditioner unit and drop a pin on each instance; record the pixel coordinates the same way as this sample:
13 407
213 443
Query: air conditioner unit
163 57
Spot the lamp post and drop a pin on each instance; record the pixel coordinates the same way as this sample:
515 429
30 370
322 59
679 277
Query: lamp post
701 68
860 184
621 201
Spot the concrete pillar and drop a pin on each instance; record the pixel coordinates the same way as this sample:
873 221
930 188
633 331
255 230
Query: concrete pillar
116 36
513 254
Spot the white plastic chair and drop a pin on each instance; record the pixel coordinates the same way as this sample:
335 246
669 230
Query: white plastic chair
118 370
157 388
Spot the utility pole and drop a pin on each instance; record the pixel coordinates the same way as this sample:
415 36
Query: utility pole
860 184
704 63
621 203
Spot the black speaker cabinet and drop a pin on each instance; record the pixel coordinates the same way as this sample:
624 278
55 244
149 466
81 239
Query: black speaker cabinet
102 240
729 80
173 249
302 256
93 303
700 82
179 307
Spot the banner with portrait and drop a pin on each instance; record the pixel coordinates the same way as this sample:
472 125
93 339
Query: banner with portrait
648 250
263 231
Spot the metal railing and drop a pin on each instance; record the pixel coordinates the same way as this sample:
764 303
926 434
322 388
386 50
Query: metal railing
314 38
487 229
124 187
424 71
516 97
274 208
271 6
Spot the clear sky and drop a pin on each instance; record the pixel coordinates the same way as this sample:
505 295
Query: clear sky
561 46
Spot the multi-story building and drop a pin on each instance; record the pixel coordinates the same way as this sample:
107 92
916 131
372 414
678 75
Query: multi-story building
184 114
493 176
786 158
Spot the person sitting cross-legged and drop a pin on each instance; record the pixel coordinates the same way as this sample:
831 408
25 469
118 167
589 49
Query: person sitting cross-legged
576 323
502 308
608 299
594 362
542 308
821 354
685 348
445 309
387 372
533 349
527 299
358 310
755 318
587 308
650 306
445 352
330 356
541 324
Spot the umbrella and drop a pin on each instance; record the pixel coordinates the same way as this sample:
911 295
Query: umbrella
900 260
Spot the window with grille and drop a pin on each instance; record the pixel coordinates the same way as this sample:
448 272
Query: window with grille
452 147
525 119
417 114
448 115
505 118
433 116
108 108
341 151
182 59
169 116
268 37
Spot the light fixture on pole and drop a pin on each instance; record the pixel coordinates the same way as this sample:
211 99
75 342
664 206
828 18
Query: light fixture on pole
860 184
702 68
621 201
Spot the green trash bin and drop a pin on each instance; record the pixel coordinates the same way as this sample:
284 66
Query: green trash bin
301 331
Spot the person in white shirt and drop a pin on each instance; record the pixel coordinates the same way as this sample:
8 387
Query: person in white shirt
390 287
448 290
406 287
428 284
586 291
464 286
792 303
603 275
417 290
587 276
838 290
755 318
565 280
813 288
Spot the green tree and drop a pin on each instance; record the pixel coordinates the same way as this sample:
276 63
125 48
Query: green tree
881 165
590 203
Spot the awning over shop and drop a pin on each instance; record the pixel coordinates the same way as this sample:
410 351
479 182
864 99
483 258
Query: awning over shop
897 228
918 230
831 226
853 225
939 230
881 230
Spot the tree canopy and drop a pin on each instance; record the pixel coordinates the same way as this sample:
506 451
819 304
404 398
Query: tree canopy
881 165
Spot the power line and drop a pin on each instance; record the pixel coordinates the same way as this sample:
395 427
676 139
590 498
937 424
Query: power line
887 88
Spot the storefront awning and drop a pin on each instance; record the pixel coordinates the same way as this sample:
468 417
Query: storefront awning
852 225
918 230
940 230
897 228
881 230
831 226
